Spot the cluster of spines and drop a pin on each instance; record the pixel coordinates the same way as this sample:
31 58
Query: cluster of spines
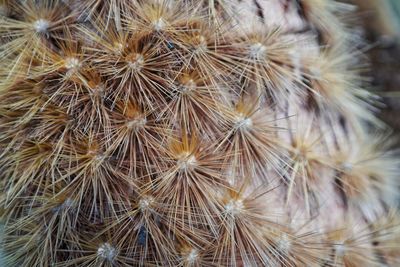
152 133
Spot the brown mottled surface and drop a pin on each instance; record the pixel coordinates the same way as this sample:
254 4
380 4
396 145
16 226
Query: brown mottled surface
385 59
381 29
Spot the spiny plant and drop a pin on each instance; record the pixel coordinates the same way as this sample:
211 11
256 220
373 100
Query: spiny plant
191 133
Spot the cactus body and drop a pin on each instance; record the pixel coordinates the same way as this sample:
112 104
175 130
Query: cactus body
191 133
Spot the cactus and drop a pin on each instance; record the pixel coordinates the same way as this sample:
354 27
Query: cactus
191 133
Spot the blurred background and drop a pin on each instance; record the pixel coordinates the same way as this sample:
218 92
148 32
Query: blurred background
378 21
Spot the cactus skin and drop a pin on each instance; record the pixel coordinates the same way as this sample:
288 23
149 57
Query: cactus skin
191 133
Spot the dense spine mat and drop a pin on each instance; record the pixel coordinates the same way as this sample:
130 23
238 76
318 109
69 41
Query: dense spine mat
191 133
